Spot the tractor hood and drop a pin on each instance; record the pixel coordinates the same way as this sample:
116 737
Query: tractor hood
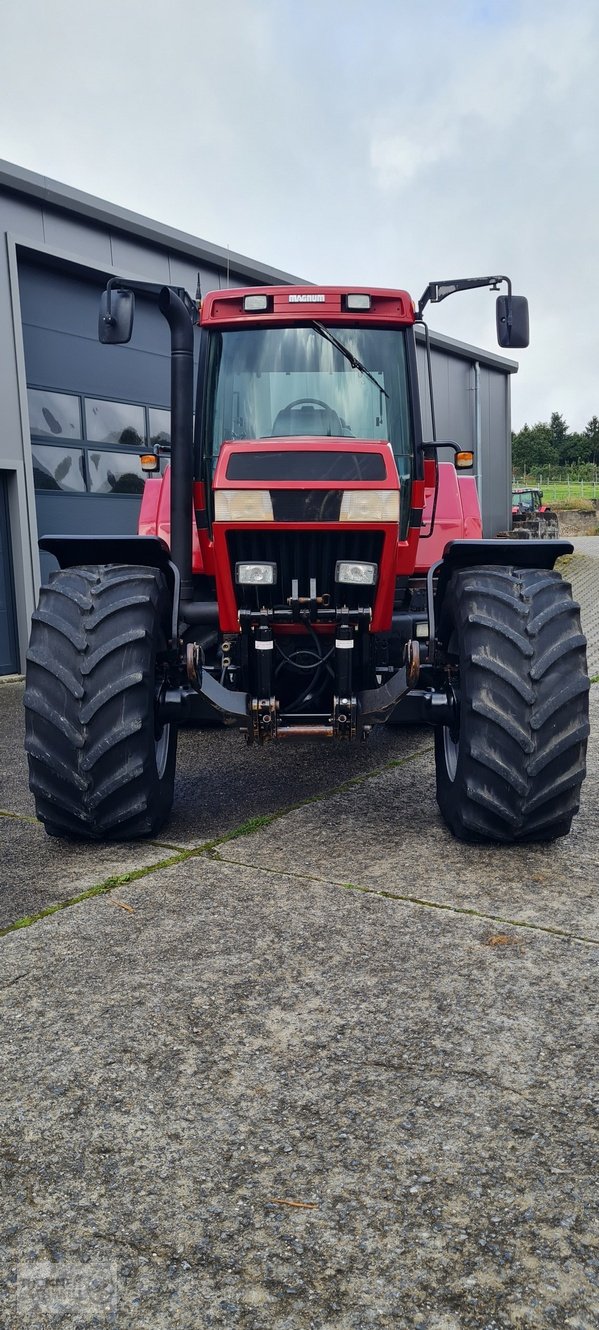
307 464
303 506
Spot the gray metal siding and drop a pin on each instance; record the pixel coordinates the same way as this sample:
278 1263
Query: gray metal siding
62 351
454 387
496 470
9 657
453 394
58 202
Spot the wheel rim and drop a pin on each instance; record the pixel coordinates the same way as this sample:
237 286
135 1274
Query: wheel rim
161 750
451 749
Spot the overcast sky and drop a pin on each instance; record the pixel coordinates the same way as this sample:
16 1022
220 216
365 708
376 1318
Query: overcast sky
360 141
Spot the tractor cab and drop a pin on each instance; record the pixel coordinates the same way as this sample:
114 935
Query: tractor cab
300 366
526 500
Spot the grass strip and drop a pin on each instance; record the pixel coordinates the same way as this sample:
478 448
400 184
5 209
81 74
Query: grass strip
20 817
254 824
100 889
421 901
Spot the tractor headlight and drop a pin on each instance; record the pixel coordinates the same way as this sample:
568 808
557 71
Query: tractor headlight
369 506
356 574
242 506
256 574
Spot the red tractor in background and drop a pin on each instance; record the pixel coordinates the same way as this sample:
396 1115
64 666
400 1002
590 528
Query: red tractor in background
531 517
307 567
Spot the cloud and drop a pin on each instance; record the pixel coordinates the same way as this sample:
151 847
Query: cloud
390 143
495 88
397 160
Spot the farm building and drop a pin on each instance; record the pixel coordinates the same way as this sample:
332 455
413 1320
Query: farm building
75 415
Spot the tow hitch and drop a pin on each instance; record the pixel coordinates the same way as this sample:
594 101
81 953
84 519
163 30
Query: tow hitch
352 714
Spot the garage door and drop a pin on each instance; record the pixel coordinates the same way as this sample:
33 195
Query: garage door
9 662
92 408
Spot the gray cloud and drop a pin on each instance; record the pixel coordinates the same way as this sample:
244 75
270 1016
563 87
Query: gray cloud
388 142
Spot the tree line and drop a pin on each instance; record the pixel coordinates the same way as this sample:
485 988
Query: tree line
554 445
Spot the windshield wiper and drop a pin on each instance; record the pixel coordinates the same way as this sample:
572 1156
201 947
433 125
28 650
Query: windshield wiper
349 355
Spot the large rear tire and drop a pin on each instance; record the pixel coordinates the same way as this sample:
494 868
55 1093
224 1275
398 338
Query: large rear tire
511 767
101 767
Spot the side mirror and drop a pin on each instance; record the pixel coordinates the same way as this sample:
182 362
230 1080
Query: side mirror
512 321
115 323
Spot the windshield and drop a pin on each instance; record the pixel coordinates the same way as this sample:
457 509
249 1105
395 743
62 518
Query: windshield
525 500
287 382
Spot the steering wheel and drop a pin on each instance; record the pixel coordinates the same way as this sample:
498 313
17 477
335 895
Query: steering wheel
334 425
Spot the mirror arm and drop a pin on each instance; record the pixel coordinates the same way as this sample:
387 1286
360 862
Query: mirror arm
145 288
435 292
443 443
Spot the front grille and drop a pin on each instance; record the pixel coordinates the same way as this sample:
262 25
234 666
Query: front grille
306 505
304 555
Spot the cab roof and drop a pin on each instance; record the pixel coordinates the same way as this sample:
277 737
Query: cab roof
304 304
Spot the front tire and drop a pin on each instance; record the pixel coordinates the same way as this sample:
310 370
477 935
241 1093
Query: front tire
101 767
511 766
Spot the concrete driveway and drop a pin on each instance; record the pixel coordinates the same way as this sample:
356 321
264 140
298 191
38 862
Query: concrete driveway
319 1068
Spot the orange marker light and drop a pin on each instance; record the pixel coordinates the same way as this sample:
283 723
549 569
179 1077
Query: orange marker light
149 462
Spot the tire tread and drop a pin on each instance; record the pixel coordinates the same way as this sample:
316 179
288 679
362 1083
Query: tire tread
89 702
524 705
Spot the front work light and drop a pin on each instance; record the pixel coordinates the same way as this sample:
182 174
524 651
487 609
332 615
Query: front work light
258 304
243 506
369 506
358 300
356 574
256 574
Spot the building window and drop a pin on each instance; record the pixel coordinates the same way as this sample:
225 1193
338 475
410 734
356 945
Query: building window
115 422
160 427
56 414
114 473
55 417
56 468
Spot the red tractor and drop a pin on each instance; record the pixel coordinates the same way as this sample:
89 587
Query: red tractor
532 517
309 568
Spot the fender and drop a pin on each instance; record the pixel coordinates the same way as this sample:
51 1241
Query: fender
146 551
143 551
72 551
500 553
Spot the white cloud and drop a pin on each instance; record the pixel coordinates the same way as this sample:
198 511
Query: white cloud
397 160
